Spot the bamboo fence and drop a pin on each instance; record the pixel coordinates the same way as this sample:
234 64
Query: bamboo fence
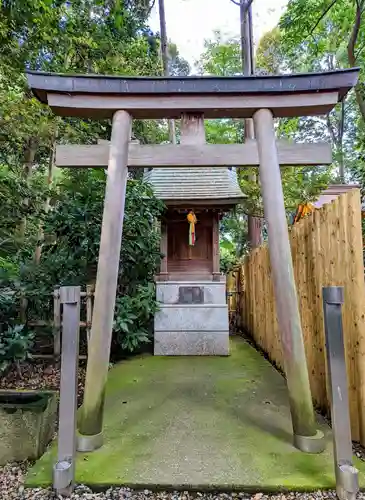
327 249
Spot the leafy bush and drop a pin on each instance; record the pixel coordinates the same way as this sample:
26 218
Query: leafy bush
227 260
70 253
15 345
133 324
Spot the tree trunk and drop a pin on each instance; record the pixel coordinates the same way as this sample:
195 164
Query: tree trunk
351 54
341 159
254 223
38 250
165 60
29 157
336 134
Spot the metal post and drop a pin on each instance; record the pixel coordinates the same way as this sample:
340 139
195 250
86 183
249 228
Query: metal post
64 469
306 437
347 484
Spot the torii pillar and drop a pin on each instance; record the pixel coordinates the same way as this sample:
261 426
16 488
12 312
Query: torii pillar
236 97
287 309
106 284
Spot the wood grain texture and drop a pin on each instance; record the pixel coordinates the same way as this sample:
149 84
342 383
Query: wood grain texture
188 155
215 244
192 129
164 248
159 106
326 250
91 422
285 292
183 258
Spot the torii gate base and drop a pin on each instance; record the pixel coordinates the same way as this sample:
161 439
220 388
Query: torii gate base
236 97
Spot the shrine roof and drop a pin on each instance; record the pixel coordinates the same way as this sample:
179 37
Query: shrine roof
203 186
100 96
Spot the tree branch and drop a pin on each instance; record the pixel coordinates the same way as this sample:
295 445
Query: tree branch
354 35
359 51
342 121
326 11
151 7
351 54
246 3
330 129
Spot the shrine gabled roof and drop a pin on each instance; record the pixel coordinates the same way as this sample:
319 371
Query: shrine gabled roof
99 96
203 186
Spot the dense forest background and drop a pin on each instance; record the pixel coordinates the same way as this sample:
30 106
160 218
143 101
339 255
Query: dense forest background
50 224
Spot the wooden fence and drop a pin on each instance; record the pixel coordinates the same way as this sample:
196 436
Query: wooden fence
327 249
56 324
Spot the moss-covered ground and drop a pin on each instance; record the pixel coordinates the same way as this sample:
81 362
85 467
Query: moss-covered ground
201 422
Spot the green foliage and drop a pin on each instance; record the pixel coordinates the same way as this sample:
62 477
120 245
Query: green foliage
269 56
9 303
223 57
72 234
56 211
318 35
318 31
228 258
233 234
178 66
15 345
14 190
134 316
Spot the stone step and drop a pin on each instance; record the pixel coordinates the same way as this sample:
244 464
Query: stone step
191 343
189 317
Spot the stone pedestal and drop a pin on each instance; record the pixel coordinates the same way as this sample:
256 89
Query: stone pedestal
27 424
193 319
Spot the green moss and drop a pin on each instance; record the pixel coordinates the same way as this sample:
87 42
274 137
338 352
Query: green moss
207 422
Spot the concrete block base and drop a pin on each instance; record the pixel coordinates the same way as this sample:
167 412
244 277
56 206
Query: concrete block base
191 343
27 424
192 320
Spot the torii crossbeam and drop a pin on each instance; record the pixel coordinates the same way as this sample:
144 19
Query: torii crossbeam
262 98
202 155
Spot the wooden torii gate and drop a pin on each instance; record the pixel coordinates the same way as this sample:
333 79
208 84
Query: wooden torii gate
262 98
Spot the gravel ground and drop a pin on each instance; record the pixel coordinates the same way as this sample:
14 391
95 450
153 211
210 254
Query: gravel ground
42 375
12 476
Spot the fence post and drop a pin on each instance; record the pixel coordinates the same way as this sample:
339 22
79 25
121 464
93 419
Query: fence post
64 469
56 322
346 475
89 311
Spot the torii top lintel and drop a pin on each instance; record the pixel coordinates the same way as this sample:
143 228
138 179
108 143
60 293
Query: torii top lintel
99 96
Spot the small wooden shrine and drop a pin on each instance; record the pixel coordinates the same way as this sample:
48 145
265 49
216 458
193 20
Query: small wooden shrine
196 199
193 316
